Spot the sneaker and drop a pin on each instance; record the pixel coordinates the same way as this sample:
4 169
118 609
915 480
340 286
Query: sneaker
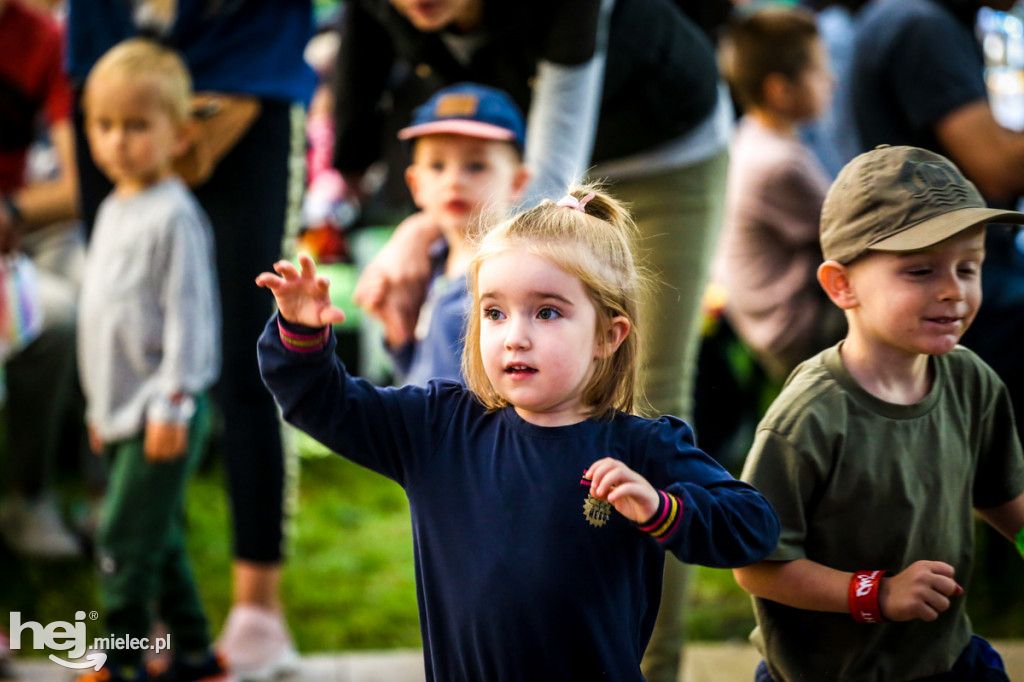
211 668
34 528
113 673
256 644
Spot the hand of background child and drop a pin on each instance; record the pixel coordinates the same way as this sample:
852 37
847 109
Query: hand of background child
95 442
371 295
629 492
165 441
921 590
394 284
302 297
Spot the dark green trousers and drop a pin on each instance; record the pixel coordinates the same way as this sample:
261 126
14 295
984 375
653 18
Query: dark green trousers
143 562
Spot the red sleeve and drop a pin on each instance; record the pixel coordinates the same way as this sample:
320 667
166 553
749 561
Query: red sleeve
56 89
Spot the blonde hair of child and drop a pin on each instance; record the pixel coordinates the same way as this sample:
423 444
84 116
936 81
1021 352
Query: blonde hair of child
595 246
141 59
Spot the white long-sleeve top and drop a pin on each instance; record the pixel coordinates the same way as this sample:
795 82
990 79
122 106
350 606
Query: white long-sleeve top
149 316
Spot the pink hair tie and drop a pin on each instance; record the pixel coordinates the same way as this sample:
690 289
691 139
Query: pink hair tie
570 201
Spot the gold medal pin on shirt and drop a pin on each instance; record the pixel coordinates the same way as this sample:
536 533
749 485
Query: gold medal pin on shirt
595 511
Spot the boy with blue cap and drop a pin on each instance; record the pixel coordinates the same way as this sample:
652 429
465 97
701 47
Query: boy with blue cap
467 170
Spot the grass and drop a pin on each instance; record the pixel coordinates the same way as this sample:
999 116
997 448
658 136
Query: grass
349 583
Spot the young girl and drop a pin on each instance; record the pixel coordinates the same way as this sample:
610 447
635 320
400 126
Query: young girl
540 505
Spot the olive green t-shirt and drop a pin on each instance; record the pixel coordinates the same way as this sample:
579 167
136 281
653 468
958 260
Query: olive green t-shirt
862 484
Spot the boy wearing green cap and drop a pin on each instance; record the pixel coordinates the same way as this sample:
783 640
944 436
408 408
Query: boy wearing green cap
879 449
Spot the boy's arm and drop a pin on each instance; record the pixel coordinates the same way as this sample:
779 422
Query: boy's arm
801 583
791 471
191 323
998 490
921 591
1008 519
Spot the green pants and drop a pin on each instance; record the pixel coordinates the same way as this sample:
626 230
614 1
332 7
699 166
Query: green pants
679 215
143 561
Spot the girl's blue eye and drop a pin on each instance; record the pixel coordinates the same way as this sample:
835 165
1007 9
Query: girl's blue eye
548 314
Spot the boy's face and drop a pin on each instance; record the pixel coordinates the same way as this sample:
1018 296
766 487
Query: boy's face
132 135
811 92
918 302
455 179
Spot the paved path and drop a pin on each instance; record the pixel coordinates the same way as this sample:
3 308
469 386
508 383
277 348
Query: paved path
705 662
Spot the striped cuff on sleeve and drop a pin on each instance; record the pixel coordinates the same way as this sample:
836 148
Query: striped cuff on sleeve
302 339
666 519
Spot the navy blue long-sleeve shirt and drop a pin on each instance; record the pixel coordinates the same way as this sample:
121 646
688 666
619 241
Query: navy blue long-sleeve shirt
519 575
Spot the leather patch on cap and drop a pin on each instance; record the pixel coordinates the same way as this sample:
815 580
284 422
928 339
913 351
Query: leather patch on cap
457 105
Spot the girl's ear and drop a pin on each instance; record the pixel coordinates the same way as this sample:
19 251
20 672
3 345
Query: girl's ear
834 278
614 334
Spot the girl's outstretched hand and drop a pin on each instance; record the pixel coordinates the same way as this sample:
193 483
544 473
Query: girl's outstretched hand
629 492
302 296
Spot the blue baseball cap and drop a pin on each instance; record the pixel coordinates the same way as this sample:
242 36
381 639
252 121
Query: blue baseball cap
468 109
